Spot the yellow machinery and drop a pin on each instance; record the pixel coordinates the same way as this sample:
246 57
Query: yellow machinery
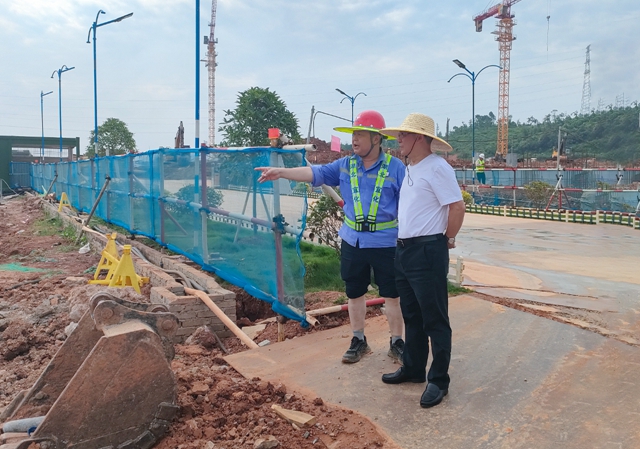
109 386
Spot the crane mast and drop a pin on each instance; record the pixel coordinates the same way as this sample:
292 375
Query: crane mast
505 37
211 65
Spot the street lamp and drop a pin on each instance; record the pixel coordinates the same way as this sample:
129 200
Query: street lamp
93 28
60 71
472 76
351 99
42 95
314 112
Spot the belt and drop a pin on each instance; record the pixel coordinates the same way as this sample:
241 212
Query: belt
422 239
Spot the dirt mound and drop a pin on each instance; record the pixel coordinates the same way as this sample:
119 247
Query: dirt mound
218 407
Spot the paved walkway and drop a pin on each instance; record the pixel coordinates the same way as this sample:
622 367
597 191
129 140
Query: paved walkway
518 380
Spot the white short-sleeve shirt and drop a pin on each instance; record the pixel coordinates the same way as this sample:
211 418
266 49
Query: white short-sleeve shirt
427 190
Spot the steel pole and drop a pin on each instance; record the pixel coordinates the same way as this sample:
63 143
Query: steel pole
42 122
95 92
60 110
473 124
42 95
197 74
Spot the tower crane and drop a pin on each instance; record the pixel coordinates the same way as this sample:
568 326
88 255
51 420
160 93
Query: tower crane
210 41
504 36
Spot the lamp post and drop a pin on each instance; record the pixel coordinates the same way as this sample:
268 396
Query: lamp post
94 28
42 95
60 71
351 99
472 76
314 112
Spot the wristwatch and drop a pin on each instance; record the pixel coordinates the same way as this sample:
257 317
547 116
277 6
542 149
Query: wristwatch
451 240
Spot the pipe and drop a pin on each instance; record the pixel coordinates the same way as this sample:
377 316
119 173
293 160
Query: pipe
22 425
334 309
107 179
244 338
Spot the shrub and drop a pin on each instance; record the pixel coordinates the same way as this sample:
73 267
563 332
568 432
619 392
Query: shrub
467 198
538 192
324 221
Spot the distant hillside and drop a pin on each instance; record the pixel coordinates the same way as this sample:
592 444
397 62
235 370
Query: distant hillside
611 135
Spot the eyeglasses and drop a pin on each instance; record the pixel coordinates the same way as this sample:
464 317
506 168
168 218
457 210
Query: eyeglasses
404 135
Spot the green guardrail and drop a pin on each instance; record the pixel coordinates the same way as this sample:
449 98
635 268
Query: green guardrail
617 218
569 216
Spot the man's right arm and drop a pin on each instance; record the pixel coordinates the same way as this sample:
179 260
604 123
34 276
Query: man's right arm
300 174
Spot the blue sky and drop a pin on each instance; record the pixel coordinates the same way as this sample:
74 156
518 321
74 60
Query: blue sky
397 52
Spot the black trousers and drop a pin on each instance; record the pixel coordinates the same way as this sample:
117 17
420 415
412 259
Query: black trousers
421 278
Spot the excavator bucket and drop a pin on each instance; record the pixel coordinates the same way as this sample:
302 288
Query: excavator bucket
110 385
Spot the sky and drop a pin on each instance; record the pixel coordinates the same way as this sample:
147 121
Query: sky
397 52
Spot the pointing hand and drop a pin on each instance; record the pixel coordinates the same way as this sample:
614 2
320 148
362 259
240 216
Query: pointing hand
268 173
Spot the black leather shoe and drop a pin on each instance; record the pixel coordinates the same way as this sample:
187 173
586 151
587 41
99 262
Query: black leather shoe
401 376
432 396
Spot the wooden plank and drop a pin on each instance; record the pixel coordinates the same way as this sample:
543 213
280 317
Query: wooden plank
294 417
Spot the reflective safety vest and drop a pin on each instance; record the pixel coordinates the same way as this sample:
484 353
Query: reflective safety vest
368 224
480 166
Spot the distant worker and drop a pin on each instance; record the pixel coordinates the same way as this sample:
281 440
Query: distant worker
431 212
482 179
370 181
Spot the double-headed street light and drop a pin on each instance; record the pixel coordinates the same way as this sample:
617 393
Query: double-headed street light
60 71
472 76
93 28
42 95
351 99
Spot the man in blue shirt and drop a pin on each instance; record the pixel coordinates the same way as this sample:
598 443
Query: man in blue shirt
370 182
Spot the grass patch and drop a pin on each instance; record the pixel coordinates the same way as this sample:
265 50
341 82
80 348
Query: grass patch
340 301
322 266
454 291
56 226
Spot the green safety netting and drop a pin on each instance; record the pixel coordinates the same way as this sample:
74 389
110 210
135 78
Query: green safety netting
246 232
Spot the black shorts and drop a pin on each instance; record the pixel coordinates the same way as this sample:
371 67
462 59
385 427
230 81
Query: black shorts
355 269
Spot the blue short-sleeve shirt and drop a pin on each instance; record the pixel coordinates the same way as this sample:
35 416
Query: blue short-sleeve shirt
337 174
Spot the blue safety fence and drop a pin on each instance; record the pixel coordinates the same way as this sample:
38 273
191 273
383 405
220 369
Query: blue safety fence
578 189
19 175
206 204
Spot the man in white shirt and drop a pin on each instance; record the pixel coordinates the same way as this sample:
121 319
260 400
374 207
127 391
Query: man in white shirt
430 214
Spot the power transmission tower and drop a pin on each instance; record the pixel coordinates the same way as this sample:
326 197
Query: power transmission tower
585 108
211 42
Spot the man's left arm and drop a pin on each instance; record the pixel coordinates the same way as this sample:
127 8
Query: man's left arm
456 217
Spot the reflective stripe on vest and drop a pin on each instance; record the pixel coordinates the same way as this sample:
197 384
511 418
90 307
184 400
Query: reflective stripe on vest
369 223
480 166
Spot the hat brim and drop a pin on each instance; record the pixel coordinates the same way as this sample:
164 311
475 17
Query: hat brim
438 144
351 129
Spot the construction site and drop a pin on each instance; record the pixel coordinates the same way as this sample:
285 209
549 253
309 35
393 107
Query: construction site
545 346
160 299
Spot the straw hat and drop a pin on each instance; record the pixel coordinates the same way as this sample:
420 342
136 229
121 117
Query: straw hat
419 124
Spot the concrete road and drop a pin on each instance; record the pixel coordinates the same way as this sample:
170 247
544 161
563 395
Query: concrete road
566 380
590 274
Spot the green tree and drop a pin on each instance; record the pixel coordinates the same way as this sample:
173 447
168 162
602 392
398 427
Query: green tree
113 137
257 110
324 221
538 192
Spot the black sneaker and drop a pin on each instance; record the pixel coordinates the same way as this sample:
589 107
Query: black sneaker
357 349
396 349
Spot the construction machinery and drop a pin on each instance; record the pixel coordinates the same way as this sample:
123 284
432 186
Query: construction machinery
109 386
505 37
